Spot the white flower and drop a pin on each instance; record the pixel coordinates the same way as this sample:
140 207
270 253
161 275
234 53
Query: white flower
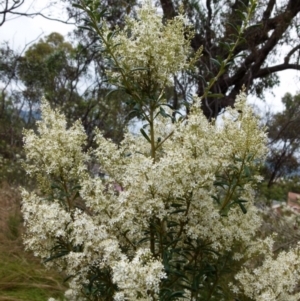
139 277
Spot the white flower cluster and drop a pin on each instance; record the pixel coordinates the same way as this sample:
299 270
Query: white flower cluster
107 232
137 277
150 52
277 279
46 221
57 152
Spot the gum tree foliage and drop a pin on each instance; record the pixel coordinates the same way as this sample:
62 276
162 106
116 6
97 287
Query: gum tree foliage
284 144
11 121
61 72
281 169
279 191
174 217
258 56
11 126
64 72
69 73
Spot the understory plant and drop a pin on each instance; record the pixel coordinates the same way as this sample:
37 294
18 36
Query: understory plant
169 214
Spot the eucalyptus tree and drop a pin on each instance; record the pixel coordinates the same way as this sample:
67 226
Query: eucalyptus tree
284 140
64 73
257 58
67 71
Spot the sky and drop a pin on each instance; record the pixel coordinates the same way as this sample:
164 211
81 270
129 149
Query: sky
23 31
289 82
20 30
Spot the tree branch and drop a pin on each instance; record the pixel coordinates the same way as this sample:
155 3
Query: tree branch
269 9
168 9
269 70
291 52
44 16
10 9
208 24
258 57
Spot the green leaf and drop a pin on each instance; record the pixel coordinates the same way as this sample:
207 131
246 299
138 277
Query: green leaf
215 61
172 224
143 240
207 250
145 135
55 186
224 212
78 6
178 294
215 95
111 34
102 13
163 113
178 112
216 198
225 45
86 28
136 110
247 171
168 105
233 26
115 45
221 184
110 93
68 278
243 207
242 201
76 187
250 157
178 211
58 255
176 205
125 232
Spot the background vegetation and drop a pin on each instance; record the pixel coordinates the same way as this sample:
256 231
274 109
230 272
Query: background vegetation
22 276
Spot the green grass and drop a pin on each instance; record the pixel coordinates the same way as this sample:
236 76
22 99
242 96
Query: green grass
22 276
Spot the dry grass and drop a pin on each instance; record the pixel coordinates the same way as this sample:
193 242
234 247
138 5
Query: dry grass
22 276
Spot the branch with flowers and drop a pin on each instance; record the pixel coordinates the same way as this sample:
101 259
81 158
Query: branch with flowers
184 222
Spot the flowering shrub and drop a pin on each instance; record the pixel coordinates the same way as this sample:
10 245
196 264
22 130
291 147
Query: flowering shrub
278 278
173 218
